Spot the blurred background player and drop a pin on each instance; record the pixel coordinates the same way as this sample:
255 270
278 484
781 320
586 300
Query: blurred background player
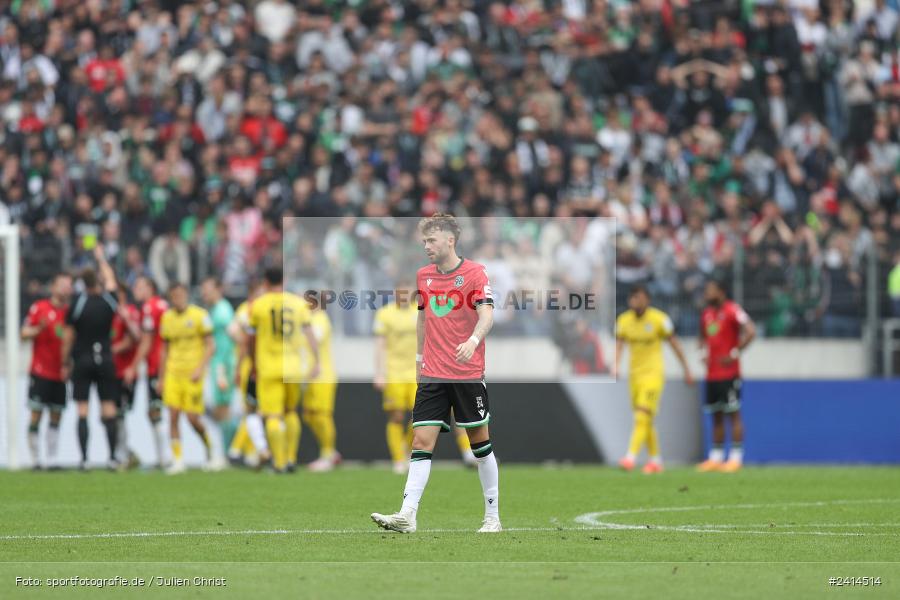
319 393
126 338
395 369
87 341
152 308
643 328
188 346
223 361
47 378
726 330
249 443
278 320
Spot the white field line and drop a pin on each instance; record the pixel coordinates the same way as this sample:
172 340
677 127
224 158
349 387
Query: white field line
594 519
588 522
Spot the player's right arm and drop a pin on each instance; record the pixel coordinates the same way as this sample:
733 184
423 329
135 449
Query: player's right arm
420 343
106 272
34 324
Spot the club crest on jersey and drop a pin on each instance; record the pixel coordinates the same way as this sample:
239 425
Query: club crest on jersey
458 281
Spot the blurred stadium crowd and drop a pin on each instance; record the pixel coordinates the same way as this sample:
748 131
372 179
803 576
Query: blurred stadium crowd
753 140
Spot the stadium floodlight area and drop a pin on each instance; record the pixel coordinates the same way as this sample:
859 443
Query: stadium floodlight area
9 353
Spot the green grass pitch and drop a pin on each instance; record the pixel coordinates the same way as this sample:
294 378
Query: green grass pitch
579 532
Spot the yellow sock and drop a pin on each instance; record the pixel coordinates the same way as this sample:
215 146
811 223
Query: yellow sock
396 441
462 441
292 436
240 439
652 439
275 431
176 449
639 433
322 425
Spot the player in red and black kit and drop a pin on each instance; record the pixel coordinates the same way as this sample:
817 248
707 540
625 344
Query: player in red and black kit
455 315
47 380
126 337
726 330
150 348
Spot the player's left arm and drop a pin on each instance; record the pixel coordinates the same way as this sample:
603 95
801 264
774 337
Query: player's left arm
485 312
209 350
682 360
68 340
313 348
748 330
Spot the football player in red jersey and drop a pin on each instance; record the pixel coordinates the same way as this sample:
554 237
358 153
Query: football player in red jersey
726 330
47 381
152 308
126 336
455 314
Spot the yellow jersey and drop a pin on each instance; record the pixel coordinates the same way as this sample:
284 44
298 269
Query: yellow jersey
321 327
398 326
644 335
277 319
185 336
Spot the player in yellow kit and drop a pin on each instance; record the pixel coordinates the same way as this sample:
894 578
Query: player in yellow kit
643 328
319 393
395 374
278 321
395 368
186 332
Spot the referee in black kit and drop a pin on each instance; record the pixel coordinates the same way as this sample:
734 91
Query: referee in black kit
87 352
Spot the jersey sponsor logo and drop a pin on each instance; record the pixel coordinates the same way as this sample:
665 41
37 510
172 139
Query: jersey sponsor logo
458 281
712 328
441 310
648 327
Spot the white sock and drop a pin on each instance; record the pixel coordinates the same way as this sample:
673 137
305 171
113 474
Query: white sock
122 441
34 445
630 457
736 454
416 480
656 460
717 453
257 432
52 443
490 484
161 439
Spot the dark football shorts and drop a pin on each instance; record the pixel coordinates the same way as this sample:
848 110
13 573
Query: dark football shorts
89 372
435 399
46 393
723 396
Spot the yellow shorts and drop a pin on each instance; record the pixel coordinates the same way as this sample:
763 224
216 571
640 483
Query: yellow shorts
320 396
275 397
183 394
645 394
399 396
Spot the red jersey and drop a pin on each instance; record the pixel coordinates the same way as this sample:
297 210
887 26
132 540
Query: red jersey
46 353
151 315
120 329
722 332
449 301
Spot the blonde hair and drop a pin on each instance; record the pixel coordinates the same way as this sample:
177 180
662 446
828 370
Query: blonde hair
440 222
